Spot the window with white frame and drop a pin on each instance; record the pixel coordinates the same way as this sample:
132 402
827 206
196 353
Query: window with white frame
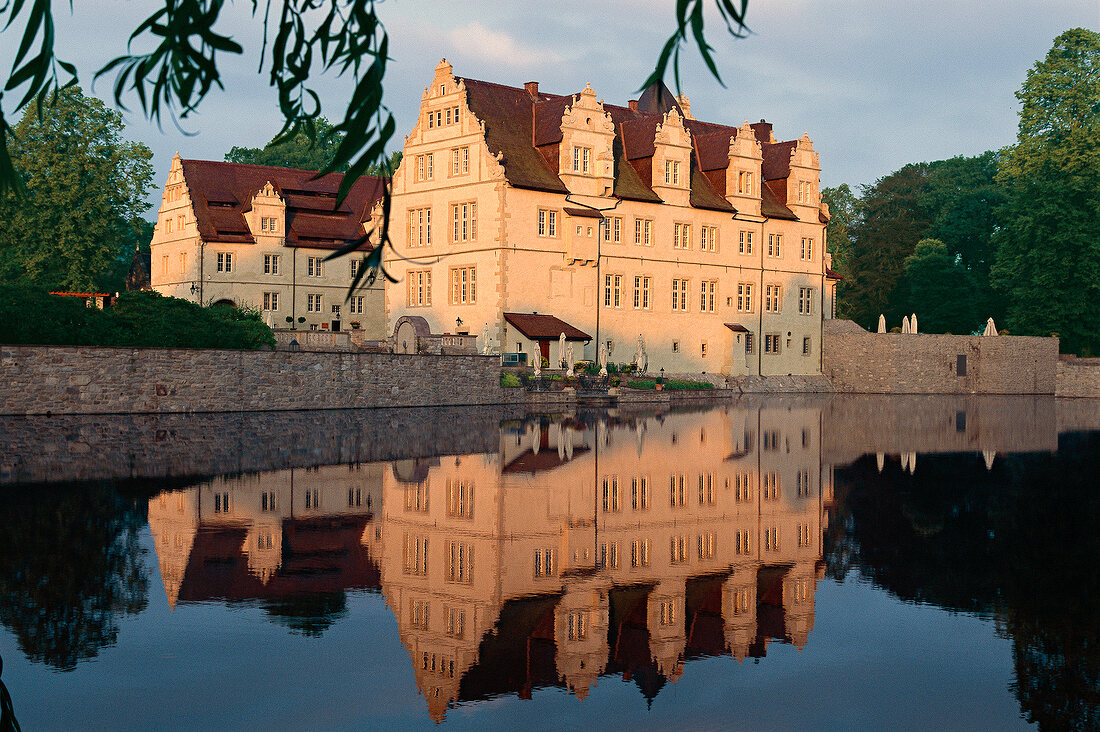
460 562
314 266
268 224
775 245
271 301
639 553
744 297
418 288
460 499
744 243
643 229
805 301
805 191
416 558
420 227
806 345
744 182
164 266
807 249
612 229
548 222
460 161
672 172
708 238
679 295
271 264
544 562
772 298
641 292
708 296
355 304
225 261
464 220
425 167
313 303
463 285
612 290
771 343
771 539
336 311
582 159
678 554
681 236
639 493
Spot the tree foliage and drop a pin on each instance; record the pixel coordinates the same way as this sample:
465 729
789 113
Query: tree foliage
1048 244
85 189
936 285
298 151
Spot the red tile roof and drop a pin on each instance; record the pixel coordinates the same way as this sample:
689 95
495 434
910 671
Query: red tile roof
543 327
222 193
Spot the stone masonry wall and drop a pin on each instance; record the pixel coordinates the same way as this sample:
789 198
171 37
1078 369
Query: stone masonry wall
893 363
1078 377
90 380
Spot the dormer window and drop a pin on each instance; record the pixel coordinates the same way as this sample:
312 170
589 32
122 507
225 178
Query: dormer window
582 157
672 172
268 223
805 191
744 183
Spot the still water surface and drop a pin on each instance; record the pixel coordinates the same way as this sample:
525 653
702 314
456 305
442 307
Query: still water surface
853 562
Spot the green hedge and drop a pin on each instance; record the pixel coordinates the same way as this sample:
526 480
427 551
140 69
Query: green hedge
30 316
674 385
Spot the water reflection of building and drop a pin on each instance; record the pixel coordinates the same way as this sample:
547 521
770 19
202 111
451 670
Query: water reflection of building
267 535
583 549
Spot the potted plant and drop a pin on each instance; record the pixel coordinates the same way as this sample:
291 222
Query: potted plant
356 325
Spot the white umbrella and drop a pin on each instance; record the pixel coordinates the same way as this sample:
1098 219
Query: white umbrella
537 358
881 323
990 328
603 359
904 461
905 325
989 456
881 460
913 323
485 340
912 463
536 437
561 348
569 360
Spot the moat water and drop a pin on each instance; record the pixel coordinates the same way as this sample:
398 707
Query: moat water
781 563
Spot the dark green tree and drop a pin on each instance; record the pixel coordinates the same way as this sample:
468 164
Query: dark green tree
297 151
937 286
1048 243
842 211
85 196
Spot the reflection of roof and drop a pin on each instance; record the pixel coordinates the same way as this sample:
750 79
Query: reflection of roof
546 459
221 193
543 327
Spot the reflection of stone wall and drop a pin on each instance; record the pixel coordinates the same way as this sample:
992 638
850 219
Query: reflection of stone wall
893 363
65 448
88 380
1078 377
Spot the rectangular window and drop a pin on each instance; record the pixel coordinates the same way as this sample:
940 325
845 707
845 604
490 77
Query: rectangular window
420 227
544 562
313 500
639 553
960 367
750 343
771 343
548 222
271 264
607 556
164 265
775 245
271 301
744 243
313 303
676 490
639 493
464 218
771 539
681 236
772 298
221 502
416 557
416 496
706 544
578 625
419 283
267 501
641 292
805 301
460 161
672 172
744 542
804 484
679 295
807 249
355 304
456 622
425 167
707 296
744 297
706 489
267 223
460 562
678 553
612 495
743 487
612 229
708 238
612 291
183 262
582 157
460 499
225 262
769 485
314 266
463 285
806 346
643 229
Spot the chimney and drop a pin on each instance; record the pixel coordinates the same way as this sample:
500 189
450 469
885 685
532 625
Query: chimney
633 104
532 88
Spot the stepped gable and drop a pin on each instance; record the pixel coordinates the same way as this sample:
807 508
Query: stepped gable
221 194
523 127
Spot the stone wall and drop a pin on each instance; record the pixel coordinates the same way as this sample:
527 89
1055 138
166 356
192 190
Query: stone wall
894 363
90 380
1078 377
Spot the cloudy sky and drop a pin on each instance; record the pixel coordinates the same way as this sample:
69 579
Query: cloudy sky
875 84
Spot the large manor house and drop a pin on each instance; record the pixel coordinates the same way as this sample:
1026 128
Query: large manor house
519 215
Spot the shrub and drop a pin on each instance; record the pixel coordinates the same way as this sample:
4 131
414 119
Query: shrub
641 384
508 380
684 384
